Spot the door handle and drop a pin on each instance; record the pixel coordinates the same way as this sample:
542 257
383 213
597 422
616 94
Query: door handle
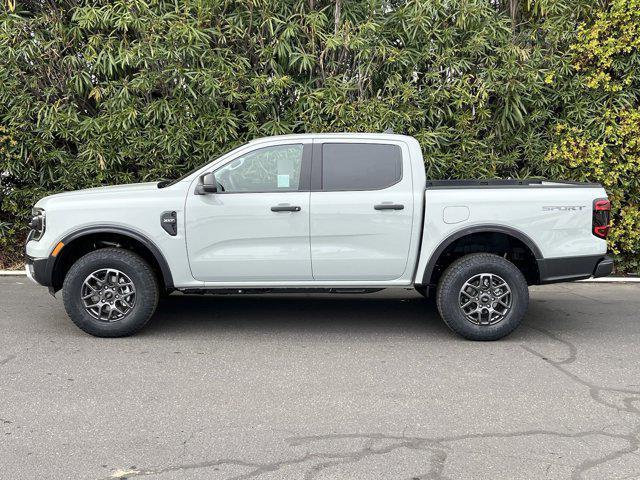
389 206
285 208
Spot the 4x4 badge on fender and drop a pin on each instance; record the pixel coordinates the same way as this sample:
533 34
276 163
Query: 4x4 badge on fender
169 222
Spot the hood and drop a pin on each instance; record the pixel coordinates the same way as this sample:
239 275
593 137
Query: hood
114 189
128 187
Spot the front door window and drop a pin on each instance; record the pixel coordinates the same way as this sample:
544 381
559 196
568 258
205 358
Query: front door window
270 169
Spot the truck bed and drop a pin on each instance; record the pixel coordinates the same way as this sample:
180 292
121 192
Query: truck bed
508 183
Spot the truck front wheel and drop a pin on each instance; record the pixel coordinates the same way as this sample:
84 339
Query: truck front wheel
110 292
482 296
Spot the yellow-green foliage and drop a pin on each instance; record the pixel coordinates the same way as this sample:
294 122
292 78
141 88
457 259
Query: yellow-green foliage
604 46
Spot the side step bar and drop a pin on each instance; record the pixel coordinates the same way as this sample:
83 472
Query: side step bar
255 291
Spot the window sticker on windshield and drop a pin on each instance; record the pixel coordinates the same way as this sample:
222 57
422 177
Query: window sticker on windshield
283 181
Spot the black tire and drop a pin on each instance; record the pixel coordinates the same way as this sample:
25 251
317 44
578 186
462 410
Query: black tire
133 266
466 268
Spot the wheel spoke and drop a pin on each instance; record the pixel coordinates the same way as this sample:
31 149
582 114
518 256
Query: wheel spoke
473 288
96 302
503 303
126 303
467 304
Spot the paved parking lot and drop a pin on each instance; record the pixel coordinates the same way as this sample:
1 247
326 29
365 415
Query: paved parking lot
303 387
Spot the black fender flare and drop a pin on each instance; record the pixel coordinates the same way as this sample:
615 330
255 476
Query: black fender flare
49 269
488 228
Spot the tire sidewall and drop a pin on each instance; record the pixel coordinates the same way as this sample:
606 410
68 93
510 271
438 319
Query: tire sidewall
468 268
128 263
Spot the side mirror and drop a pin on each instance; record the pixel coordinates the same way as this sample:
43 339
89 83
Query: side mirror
207 185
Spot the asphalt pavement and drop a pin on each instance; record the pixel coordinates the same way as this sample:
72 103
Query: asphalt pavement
322 387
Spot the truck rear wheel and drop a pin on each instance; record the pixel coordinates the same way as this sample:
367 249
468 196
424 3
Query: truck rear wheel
110 292
482 296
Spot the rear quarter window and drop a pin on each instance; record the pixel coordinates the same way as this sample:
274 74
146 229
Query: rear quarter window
360 166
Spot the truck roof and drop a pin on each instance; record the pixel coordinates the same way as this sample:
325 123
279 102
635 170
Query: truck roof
350 135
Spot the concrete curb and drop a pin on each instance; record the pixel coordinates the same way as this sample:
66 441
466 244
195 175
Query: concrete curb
612 280
15 273
11 273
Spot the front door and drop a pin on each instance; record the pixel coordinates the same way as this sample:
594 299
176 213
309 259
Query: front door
255 228
361 211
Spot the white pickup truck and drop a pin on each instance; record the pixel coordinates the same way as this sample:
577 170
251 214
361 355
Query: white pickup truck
321 213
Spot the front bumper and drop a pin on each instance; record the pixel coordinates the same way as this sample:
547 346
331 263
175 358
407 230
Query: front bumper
567 269
28 269
39 271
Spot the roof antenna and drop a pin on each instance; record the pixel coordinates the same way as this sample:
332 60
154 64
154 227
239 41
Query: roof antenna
389 131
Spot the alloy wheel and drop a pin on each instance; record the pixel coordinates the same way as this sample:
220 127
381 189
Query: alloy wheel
108 295
485 299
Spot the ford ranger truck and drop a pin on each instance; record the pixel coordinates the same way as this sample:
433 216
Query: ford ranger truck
317 213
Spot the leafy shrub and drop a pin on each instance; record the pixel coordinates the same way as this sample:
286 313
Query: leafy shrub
119 91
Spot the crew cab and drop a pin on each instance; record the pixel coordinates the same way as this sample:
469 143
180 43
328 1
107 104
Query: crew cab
320 213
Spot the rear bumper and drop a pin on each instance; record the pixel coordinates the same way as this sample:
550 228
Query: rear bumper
567 269
604 267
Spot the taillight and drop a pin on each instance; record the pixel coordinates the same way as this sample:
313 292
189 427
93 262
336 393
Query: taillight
600 219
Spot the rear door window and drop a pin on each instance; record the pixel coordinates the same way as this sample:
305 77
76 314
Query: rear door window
360 166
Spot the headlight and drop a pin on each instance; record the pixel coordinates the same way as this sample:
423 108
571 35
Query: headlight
37 224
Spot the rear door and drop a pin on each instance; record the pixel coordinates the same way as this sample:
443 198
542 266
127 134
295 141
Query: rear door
361 210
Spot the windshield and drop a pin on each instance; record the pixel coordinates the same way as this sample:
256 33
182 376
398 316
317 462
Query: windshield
168 183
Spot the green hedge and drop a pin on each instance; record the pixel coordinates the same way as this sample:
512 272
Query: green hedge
96 93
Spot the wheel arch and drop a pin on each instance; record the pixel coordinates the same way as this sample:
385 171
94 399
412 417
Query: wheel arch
136 241
429 275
